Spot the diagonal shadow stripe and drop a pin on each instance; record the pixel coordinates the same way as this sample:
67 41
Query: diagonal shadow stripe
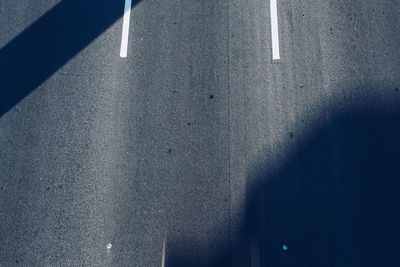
50 42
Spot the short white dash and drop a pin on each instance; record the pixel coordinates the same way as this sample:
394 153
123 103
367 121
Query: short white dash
109 246
125 28
274 29
163 254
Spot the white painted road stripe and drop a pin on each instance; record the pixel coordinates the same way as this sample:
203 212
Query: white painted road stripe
163 254
125 28
274 29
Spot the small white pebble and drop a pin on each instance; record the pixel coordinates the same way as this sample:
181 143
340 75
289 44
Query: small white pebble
109 246
284 247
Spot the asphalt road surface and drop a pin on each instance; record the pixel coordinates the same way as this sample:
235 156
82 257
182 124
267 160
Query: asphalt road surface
198 148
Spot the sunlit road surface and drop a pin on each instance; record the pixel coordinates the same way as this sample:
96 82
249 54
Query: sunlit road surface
150 152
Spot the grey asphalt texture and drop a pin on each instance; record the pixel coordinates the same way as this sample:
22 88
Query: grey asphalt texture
189 137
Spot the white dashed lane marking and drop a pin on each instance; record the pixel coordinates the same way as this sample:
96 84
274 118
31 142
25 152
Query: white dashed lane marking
163 254
125 28
274 29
